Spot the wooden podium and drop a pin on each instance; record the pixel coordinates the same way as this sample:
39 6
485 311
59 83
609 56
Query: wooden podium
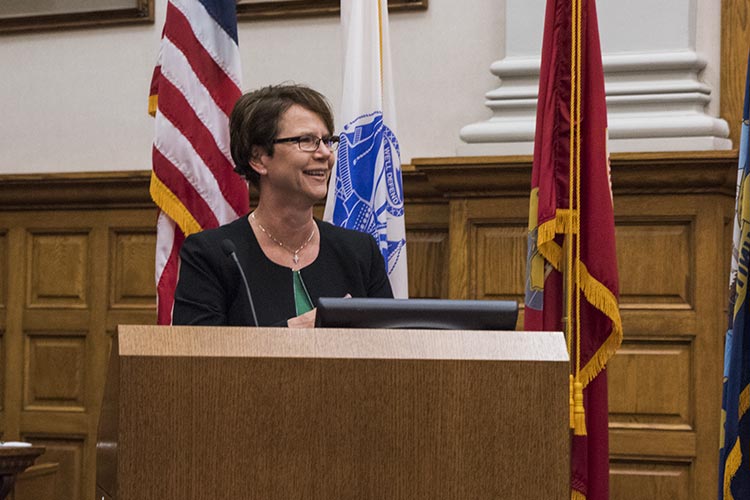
274 413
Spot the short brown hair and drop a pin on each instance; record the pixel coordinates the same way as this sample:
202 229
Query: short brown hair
255 120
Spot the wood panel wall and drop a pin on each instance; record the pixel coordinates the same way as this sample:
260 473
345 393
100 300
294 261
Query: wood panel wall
673 215
77 259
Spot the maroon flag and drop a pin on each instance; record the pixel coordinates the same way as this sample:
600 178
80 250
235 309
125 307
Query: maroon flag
572 266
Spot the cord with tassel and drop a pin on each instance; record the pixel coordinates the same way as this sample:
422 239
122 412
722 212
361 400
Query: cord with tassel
579 414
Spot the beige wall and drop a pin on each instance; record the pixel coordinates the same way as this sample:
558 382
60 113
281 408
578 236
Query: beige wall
76 100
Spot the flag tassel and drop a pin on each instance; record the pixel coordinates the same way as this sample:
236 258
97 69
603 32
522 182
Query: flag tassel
579 428
572 404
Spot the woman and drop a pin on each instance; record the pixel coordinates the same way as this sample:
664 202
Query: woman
281 141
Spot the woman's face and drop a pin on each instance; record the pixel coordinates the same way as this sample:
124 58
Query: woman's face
295 174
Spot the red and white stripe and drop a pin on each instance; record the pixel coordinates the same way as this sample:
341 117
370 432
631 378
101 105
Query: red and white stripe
197 82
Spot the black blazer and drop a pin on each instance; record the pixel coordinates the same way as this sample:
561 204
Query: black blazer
210 290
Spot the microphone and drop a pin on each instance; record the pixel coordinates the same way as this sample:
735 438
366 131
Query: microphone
231 251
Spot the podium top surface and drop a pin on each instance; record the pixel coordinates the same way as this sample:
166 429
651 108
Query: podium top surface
149 340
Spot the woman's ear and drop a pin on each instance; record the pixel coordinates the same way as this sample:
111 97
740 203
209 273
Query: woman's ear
257 162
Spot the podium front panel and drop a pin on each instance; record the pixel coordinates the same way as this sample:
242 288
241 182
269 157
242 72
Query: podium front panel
318 414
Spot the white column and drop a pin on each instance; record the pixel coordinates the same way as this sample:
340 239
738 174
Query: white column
661 78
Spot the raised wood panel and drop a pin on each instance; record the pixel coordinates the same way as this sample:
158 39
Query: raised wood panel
656 322
57 422
38 482
55 372
634 480
3 275
478 228
132 268
499 262
3 309
58 319
655 260
3 313
649 443
427 254
642 395
2 375
68 452
58 269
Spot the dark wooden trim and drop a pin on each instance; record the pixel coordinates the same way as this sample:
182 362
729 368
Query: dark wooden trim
127 189
263 11
667 172
433 180
142 12
92 190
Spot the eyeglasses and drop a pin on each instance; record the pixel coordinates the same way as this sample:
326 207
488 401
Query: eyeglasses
311 143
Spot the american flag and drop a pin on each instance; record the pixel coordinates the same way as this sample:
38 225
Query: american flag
194 87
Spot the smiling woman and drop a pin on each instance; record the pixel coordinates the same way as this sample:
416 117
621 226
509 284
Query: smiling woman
271 266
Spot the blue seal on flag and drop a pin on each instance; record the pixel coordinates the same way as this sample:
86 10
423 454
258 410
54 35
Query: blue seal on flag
369 190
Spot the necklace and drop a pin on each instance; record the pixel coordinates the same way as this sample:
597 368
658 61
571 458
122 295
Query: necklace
295 253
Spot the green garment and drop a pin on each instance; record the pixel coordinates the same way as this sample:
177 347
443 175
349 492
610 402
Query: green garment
302 300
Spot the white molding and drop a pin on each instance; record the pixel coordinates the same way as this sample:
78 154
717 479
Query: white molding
655 99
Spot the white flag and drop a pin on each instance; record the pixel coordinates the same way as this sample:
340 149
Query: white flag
366 192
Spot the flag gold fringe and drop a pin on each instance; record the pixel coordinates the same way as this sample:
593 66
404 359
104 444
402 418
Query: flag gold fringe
603 299
593 290
560 224
732 465
577 495
744 401
171 205
153 104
